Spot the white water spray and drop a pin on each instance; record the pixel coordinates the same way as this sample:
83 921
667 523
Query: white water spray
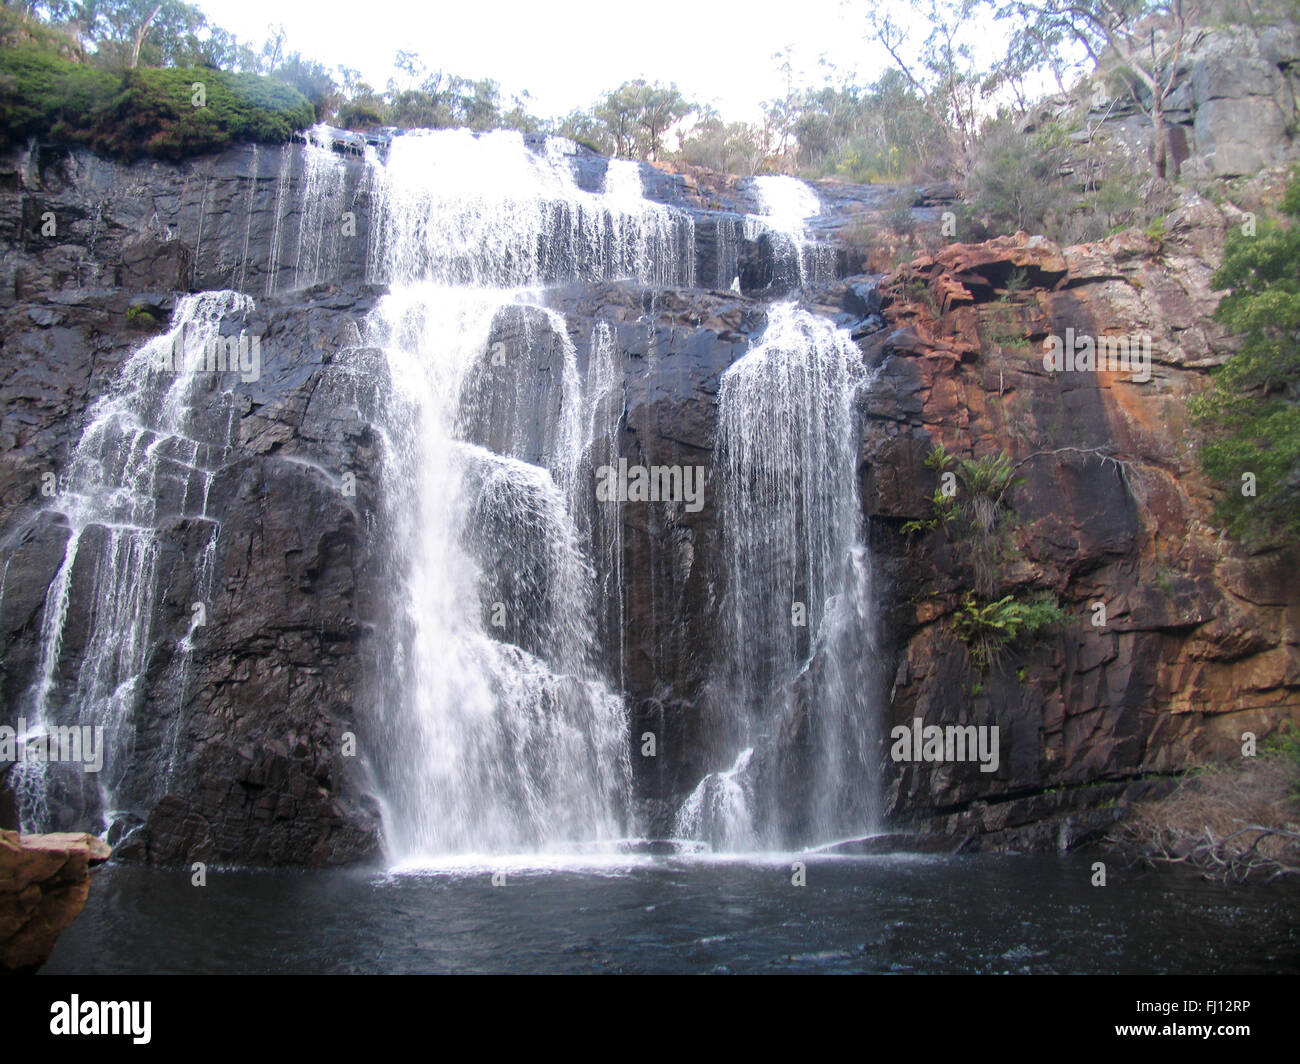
785 206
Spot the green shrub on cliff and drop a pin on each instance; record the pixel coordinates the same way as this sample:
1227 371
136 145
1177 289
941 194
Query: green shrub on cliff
977 494
1014 182
158 112
42 94
1252 409
973 512
989 628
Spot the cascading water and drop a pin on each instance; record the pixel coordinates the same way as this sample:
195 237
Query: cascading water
482 211
146 458
497 725
792 679
321 222
786 204
501 735
602 526
500 730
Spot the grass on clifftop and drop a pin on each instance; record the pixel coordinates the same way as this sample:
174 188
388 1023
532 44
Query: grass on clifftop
165 113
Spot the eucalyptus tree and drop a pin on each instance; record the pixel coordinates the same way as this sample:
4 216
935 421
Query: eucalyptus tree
1141 41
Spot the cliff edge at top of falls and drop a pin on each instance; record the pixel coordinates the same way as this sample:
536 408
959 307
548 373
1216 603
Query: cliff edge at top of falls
1201 640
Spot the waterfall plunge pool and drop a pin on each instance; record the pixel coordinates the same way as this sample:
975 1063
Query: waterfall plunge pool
901 913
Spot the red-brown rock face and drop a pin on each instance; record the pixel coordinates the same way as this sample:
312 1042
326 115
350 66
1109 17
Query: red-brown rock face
44 883
1199 643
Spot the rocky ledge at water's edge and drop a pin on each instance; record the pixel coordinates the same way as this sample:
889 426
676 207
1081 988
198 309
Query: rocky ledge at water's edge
44 883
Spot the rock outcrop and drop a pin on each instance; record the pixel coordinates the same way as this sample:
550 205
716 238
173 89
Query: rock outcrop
1199 642
44 884
1232 110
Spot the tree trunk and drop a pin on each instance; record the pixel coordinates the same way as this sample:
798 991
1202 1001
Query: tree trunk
140 32
1161 145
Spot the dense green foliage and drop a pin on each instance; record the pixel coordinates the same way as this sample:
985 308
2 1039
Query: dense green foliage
1252 409
169 113
156 113
43 94
990 629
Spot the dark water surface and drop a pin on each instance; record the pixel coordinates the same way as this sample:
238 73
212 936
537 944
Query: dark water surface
901 913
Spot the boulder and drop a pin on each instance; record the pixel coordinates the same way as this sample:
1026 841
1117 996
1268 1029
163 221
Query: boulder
44 883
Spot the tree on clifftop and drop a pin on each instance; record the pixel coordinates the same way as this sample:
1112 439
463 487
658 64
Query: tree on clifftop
1145 40
638 114
942 70
126 34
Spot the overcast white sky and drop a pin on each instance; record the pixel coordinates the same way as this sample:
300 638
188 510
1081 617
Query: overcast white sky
566 52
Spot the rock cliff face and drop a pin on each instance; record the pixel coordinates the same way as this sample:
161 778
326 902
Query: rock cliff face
1199 642
259 717
259 714
240 746
1232 112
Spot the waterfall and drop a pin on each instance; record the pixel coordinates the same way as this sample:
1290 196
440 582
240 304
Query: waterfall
497 725
785 205
792 679
481 210
320 228
602 526
728 234
494 723
145 459
501 730
277 215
